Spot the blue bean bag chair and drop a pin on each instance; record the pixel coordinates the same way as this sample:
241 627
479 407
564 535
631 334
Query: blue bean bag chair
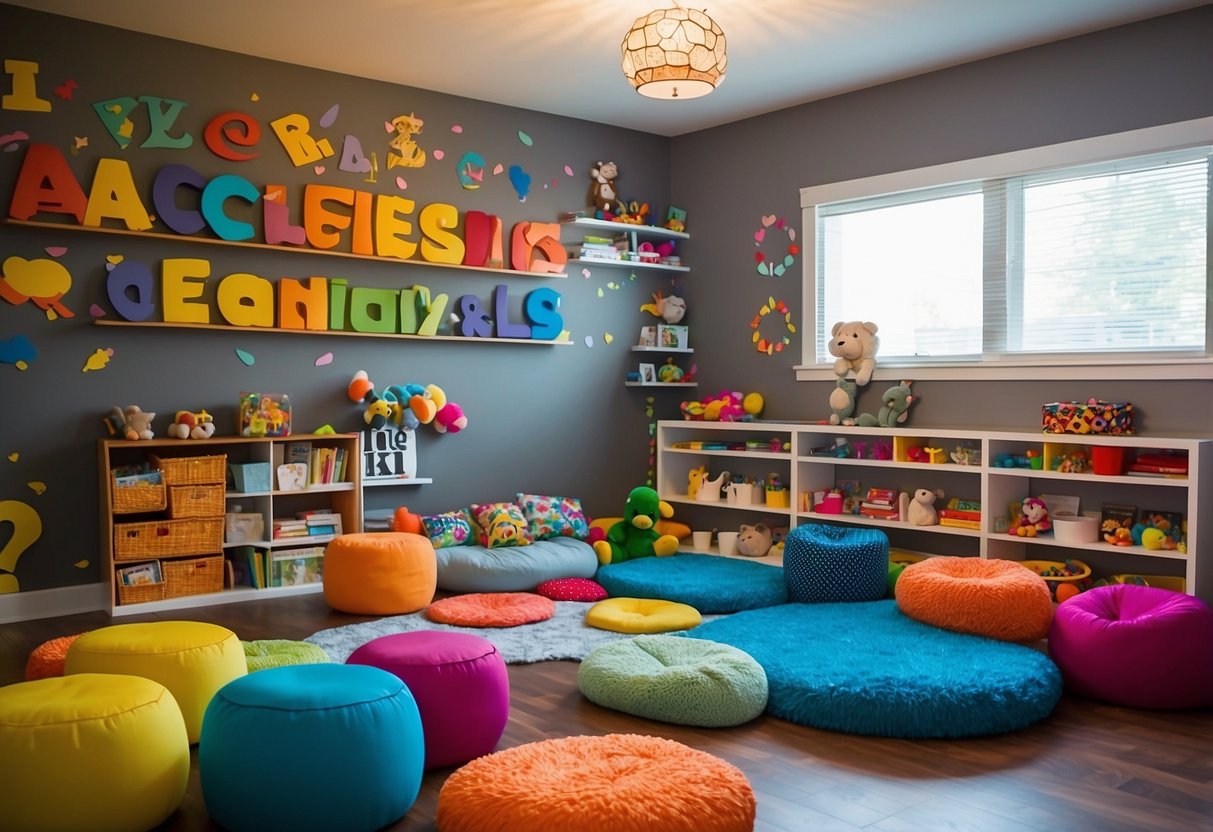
824 564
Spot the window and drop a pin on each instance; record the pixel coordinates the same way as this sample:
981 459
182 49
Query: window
1078 256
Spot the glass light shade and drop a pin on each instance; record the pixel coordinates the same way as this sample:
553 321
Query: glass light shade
674 54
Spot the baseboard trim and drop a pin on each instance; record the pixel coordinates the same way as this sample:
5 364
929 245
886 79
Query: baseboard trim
52 603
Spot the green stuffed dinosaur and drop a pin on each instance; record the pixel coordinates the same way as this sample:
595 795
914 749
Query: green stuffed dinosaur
895 410
635 536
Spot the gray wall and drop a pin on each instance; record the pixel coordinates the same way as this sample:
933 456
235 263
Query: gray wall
543 419
553 419
1150 73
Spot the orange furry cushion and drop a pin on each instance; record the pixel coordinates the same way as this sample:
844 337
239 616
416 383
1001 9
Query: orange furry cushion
615 783
997 599
491 609
48 658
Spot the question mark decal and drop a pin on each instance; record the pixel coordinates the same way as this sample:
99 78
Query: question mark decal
27 528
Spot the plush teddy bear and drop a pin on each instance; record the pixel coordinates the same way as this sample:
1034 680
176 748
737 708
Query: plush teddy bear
602 186
854 345
919 510
636 535
754 541
132 422
1033 519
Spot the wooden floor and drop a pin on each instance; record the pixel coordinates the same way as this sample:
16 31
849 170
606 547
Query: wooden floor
1088 768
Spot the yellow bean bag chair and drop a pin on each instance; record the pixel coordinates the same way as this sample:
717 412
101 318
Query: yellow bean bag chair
101 752
998 599
380 573
642 615
192 659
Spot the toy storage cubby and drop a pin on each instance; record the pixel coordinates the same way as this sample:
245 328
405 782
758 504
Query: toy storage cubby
634 234
188 548
1000 472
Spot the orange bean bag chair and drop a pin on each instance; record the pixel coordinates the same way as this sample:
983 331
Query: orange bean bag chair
998 599
48 658
390 573
614 783
491 609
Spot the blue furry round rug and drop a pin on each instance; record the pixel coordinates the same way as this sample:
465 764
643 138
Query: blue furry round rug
865 668
708 583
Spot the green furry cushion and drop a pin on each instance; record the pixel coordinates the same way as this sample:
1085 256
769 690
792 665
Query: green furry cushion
673 679
277 652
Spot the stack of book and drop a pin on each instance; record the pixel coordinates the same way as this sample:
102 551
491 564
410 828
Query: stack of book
961 514
308 524
602 248
880 502
1159 465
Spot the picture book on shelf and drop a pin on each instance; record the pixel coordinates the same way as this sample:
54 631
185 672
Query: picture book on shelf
140 574
294 567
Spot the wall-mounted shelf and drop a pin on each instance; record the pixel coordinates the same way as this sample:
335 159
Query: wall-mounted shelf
626 264
663 349
661 384
337 332
399 481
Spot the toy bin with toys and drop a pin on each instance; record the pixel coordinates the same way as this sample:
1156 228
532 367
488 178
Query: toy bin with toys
1064 579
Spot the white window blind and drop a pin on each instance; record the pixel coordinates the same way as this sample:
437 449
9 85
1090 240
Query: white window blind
1092 260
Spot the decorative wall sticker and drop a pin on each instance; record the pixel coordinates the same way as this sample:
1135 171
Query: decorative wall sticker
319 169
27 528
112 260
294 134
14 456
585 273
12 141
568 171
43 281
18 351
775 266
372 177
56 251
246 358
439 154
400 183
470 171
232 128
456 128
96 311
775 344
353 160
81 564
254 97
66 89
330 115
521 180
324 360
403 151
498 168
608 337
525 139
78 143
589 341
25 88
37 487
98 360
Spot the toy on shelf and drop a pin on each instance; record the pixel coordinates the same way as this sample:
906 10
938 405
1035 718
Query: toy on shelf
936 456
964 455
725 406
854 345
265 414
842 402
130 423
755 541
190 425
895 410
670 309
675 219
632 213
407 406
919 509
669 372
1032 520
1076 461
602 189
636 536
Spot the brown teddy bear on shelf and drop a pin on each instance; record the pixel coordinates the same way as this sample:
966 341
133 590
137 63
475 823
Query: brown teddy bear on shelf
603 195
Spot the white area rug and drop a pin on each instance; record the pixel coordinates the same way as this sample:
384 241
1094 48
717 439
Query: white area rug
563 636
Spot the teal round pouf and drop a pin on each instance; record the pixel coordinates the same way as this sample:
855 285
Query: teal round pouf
672 679
823 564
709 583
311 747
280 652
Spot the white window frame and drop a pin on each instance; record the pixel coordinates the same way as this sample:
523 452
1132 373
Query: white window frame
1019 163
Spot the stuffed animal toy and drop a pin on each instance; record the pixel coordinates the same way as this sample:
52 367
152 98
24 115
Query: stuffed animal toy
602 186
450 419
919 510
754 541
842 402
131 423
670 309
895 410
854 345
636 536
1033 518
404 520
187 425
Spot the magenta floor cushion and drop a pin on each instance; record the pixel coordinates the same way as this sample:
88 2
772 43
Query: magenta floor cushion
1136 645
459 682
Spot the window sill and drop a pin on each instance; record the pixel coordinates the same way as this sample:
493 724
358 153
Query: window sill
1045 370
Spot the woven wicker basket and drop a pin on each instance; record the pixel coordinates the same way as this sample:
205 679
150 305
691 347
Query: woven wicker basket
192 576
195 501
165 538
192 470
130 499
140 593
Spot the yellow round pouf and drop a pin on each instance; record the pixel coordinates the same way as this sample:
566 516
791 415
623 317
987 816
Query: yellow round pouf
90 751
642 615
192 659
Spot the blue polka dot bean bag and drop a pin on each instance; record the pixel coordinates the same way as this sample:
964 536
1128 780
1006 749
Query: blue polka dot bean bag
824 564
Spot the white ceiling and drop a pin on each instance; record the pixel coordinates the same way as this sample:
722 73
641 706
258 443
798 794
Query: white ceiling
562 56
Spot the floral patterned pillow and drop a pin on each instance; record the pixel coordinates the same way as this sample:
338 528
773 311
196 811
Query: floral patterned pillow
501 525
453 528
554 516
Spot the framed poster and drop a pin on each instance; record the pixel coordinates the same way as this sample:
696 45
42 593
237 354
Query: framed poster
672 337
647 374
